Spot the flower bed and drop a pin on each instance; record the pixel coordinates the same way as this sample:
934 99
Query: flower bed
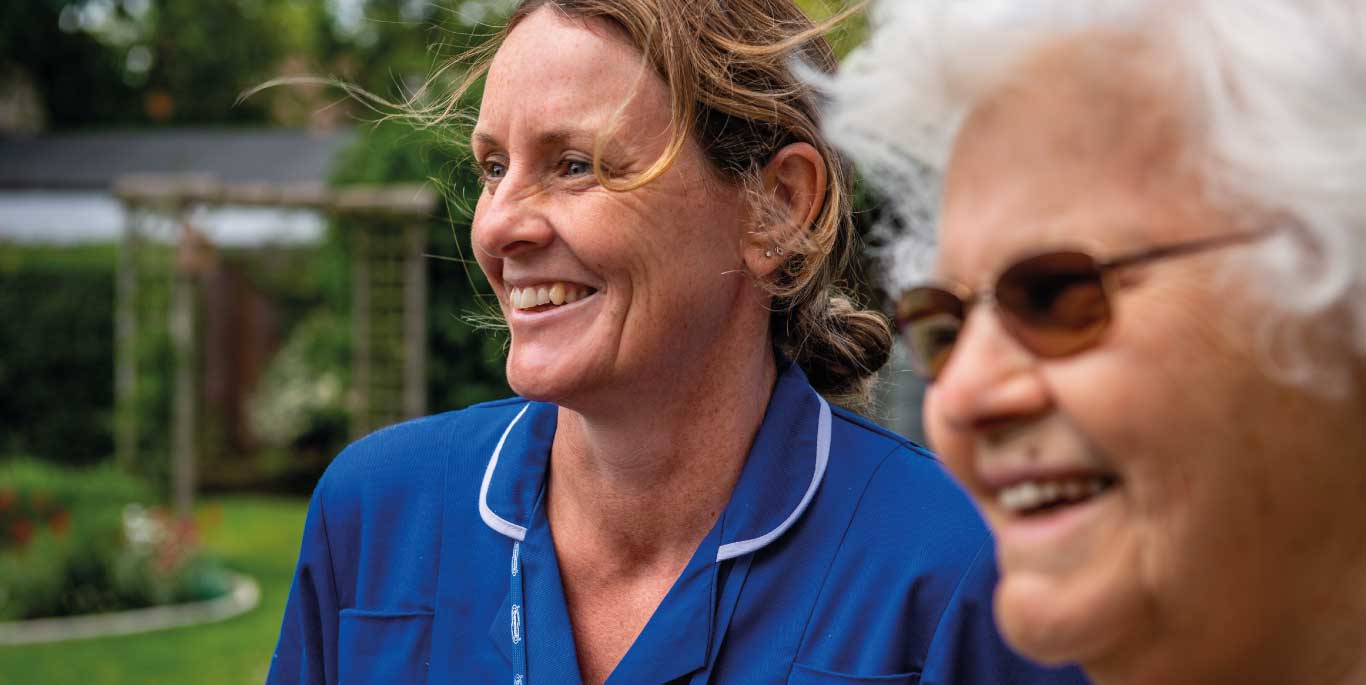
78 541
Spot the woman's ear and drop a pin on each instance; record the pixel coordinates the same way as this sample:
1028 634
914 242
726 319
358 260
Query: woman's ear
793 194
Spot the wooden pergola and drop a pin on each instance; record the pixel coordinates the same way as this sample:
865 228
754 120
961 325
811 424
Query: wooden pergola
389 299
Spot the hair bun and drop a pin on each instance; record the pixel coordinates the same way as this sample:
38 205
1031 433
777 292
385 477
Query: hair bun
842 351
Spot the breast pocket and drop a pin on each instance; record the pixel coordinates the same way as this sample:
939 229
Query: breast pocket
378 647
809 675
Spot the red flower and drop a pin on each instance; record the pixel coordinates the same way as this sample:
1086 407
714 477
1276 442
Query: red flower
60 522
20 531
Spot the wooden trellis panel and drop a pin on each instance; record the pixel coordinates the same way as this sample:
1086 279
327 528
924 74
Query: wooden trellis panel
388 308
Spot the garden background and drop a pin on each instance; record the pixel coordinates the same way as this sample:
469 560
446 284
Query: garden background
93 89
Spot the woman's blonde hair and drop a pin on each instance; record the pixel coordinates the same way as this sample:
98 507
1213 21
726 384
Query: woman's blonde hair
733 77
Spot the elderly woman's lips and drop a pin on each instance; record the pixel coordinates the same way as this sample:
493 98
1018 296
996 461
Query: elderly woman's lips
547 295
1034 496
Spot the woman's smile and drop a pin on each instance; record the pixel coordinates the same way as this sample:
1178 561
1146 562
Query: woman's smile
546 303
545 296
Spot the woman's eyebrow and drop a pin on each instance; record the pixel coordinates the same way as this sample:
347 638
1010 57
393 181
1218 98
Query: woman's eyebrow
485 139
552 138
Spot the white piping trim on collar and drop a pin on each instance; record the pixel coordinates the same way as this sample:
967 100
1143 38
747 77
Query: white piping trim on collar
724 552
491 519
742 547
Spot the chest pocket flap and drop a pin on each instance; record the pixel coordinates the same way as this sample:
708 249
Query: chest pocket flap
384 647
808 675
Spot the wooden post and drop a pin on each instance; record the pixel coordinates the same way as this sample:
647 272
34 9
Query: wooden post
415 321
360 333
191 252
126 344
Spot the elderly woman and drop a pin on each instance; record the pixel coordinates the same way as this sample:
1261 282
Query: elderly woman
675 500
1145 321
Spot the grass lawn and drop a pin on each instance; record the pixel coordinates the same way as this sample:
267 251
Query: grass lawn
255 535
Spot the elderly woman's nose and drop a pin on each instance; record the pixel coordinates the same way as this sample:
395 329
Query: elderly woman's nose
509 223
990 379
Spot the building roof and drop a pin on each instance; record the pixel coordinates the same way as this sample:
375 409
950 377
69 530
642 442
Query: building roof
92 161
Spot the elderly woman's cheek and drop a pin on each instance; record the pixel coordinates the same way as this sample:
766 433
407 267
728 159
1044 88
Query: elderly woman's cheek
953 446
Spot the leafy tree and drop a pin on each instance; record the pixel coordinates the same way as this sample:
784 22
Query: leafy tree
78 77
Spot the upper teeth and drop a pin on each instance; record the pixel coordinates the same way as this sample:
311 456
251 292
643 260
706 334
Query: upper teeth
1031 494
546 293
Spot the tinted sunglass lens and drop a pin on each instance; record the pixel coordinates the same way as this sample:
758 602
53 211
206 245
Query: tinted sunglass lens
1055 303
930 319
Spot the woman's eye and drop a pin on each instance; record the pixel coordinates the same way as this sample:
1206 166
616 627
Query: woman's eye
494 170
577 167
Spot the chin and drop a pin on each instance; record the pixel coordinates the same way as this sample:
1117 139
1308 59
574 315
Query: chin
549 378
1063 620
533 385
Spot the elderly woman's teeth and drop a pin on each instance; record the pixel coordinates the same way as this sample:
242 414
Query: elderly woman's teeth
1033 495
546 294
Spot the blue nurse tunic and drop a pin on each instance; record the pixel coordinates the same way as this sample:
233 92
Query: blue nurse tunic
845 556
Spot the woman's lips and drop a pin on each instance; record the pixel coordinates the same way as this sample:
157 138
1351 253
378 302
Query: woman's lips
1046 519
1031 496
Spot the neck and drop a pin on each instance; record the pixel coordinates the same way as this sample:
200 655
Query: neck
637 488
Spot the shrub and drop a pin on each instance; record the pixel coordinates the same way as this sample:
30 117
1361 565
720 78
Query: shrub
78 541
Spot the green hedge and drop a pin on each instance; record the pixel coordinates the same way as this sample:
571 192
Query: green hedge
56 343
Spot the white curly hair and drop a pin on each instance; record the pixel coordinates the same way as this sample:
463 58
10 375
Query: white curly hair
1276 94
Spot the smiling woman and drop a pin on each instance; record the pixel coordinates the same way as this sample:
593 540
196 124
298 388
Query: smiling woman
673 498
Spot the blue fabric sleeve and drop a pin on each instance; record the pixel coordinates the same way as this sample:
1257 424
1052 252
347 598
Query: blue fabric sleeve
967 649
307 649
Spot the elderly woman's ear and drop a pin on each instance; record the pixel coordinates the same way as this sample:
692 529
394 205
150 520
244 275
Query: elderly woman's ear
793 190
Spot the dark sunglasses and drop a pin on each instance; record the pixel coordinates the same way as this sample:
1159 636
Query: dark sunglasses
1054 303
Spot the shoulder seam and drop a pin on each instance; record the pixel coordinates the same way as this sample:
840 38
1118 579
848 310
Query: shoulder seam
900 440
327 541
984 546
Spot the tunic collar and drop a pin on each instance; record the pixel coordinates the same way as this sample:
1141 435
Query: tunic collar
781 475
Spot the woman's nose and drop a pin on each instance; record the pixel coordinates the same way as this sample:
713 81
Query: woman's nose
991 381
511 221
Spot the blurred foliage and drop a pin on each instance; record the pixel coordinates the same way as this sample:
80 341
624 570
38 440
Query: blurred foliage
80 79
303 390
57 332
138 62
76 541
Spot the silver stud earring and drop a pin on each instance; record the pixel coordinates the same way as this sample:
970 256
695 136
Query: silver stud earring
768 253
781 251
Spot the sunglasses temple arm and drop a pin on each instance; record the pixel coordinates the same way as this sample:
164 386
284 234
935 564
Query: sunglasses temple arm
1182 249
